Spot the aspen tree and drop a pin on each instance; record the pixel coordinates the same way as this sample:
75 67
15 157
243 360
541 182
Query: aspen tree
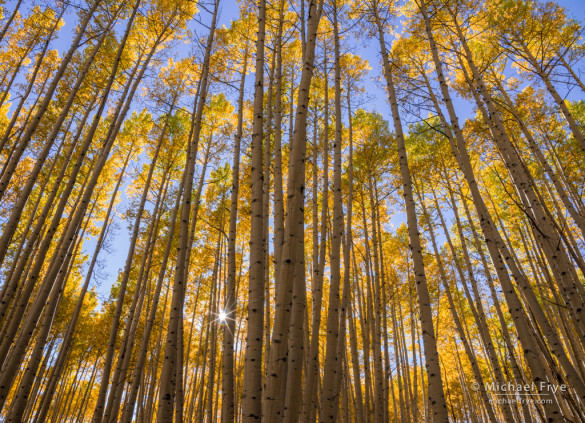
328 410
435 393
230 308
276 381
166 395
252 385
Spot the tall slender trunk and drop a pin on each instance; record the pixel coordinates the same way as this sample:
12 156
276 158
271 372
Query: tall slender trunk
328 410
320 249
459 326
435 381
230 306
173 360
252 388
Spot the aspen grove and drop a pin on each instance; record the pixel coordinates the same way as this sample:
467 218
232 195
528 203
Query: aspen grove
288 211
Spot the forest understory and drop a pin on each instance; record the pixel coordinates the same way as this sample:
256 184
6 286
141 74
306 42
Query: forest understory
292 211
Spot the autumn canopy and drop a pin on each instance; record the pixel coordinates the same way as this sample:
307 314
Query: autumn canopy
292 211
